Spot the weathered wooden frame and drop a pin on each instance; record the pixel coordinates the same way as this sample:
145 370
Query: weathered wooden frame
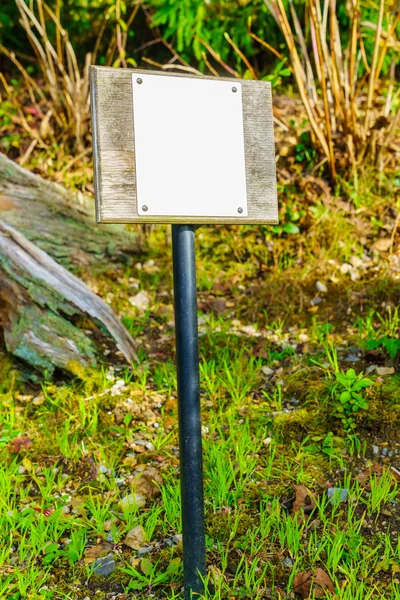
114 151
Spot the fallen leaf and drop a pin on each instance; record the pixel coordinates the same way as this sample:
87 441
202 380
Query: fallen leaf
78 506
385 371
171 405
135 537
130 461
377 470
304 500
147 484
26 463
146 566
91 554
364 478
216 574
19 443
382 245
319 582
86 469
135 500
218 305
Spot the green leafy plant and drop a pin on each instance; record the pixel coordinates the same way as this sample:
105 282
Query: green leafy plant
390 344
280 70
194 26
305 150
289 221
72 551
331 445
347 393
150 574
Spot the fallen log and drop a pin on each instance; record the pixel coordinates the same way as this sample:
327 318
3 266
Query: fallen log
39 301
59 221
43 306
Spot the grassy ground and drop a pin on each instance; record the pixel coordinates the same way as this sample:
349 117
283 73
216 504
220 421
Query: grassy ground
281 327
300 396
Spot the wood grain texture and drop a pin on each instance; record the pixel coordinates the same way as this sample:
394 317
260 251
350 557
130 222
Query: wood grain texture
41 304
114 150
59 221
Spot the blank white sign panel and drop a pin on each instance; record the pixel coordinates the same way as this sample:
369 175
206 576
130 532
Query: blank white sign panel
189 147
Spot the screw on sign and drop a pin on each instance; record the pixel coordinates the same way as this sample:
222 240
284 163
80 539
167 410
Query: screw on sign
189 152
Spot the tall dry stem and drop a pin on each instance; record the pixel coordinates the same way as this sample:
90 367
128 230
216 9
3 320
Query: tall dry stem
341 92
66 84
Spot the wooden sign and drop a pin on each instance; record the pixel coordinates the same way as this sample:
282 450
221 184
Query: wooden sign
170 148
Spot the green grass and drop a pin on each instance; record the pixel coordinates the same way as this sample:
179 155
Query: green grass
265 430
254 453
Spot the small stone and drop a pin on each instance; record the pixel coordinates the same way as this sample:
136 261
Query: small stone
21 469
135 537
143 551
321 287
250 330
337 495
103 469
385 370
384 452
117 388
315 301
267 441
364 524
314 525
371 369
108 525
345 268
132 500
104 566
38 400
267 371
149 264
352 359
177 539
287 562
141 301
110 537
375 450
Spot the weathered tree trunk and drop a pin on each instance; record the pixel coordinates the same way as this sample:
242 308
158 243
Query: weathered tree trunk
59 221
42 305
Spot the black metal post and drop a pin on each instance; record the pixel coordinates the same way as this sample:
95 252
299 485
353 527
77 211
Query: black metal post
187 351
